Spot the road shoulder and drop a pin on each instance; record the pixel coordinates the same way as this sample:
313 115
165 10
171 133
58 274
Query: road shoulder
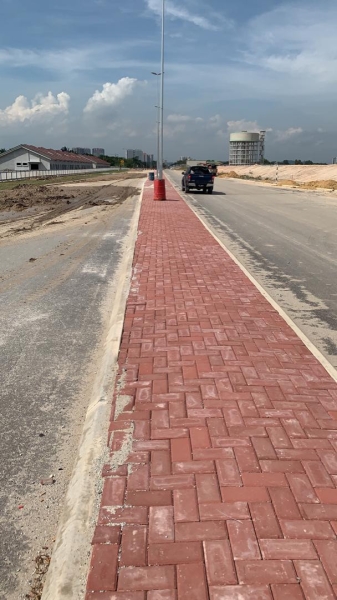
69 563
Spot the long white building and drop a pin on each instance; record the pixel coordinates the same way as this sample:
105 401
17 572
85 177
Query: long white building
32 158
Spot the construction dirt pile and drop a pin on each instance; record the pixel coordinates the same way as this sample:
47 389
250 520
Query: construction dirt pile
286 182
27 207
231 174
42 198
329 184
25 196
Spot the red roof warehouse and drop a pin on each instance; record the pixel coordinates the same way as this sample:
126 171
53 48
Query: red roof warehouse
33 158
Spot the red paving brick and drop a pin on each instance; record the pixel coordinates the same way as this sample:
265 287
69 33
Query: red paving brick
162 595
241 592
287 591
230 489
134 546
219 563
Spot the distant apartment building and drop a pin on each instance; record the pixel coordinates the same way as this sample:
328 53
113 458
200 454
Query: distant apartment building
148 159
98 151
82 150
145 158
135 154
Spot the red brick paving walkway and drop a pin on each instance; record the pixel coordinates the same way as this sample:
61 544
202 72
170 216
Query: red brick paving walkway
230 489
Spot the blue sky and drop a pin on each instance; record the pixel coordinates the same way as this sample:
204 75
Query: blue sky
78 73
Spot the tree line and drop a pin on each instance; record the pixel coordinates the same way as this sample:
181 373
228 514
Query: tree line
293 162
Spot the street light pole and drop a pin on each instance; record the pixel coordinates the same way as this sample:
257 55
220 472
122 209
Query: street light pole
161 103
159 183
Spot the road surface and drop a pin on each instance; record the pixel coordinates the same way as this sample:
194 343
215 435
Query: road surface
287 239
55 285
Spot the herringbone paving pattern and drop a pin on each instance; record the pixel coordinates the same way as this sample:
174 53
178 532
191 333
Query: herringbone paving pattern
223 436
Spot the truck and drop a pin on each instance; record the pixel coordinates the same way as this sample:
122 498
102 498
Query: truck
198 177
204 163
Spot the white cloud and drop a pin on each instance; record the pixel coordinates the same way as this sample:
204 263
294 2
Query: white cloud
178 118
111 95
223 128
75 59
173 131
179 12
215 121
297 40
216 125
41 108
252 126
283 136
177 124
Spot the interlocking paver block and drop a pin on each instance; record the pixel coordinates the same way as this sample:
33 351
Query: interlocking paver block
219 563
228 489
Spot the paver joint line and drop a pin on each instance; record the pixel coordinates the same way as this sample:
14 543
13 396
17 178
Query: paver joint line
227 487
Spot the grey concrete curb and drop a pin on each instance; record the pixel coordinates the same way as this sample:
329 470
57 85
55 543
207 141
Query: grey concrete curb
66 578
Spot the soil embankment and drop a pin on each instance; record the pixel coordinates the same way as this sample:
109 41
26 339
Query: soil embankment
299 176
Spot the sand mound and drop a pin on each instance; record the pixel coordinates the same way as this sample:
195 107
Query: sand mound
288 182
231 174
328 184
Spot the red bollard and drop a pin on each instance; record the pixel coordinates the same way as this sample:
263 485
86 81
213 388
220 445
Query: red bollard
159 189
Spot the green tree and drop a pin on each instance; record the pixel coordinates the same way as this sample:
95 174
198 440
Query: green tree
2 150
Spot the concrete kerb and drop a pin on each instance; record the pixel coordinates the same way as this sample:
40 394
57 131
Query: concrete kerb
66 578
317 354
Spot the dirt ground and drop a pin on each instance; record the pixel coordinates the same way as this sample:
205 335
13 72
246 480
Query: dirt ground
23 197
27 207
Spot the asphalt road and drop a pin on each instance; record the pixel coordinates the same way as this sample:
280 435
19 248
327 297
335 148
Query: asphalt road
53 313
287 240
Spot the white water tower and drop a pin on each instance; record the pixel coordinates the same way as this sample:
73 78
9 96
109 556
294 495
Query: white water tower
246 148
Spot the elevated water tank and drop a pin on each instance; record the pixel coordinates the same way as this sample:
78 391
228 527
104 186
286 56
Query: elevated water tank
244 148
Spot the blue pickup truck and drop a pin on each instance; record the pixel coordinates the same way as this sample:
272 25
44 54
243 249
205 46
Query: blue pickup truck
199 178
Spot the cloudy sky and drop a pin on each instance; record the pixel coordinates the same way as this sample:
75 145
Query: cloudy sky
78 73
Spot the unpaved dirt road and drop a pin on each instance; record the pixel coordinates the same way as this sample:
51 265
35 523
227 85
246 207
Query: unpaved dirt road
57 273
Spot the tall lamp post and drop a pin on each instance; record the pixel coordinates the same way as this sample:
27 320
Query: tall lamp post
159 184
